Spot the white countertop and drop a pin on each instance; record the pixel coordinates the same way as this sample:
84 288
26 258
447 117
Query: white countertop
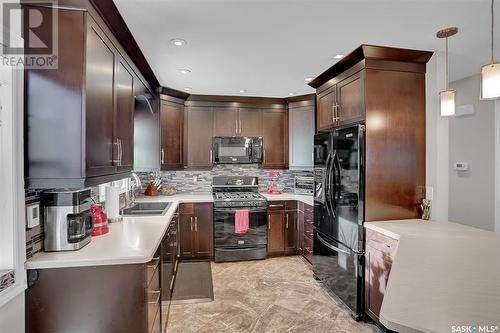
307 199
132 241
444 274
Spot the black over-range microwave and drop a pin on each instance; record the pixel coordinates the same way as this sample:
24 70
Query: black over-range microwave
237 150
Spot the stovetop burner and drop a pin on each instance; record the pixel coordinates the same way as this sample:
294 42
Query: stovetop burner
237 191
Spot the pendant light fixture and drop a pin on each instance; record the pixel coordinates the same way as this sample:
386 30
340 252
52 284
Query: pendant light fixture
490 73
447 97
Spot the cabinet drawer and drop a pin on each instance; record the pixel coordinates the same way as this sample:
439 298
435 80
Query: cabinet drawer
152 269
381 243
291 205
154 321
308 249
154 304
154 282
308 229
186 208
308 209
276 205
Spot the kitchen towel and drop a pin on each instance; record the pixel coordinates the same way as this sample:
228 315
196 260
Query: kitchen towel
241 221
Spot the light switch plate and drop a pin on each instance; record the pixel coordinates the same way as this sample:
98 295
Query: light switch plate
429 193
32 215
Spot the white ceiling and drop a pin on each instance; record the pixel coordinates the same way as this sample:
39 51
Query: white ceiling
268 47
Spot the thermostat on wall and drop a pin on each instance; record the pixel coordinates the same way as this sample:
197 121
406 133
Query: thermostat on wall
461 166
32 215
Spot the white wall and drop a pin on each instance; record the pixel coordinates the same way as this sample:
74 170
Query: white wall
472 140
436 140
12 315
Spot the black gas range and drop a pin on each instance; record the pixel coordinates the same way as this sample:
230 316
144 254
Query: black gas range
238 196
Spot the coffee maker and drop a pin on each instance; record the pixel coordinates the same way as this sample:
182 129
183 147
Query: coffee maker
68 222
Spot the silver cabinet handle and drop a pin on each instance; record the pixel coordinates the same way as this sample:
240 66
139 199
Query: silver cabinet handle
162 154
120 151
236 125
196 223
240 126
287 220
117 160
269 222
210 157
333 112
191 223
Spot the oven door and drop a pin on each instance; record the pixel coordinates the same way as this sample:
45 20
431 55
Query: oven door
230 150
224 223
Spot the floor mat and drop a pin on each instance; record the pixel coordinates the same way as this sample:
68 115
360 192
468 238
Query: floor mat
193 283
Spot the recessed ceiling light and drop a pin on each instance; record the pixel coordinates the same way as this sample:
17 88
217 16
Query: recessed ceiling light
178 42
339 56
308 79
184 71
187 89
291 94
242 91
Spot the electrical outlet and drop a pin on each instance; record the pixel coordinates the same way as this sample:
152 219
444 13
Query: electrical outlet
429 193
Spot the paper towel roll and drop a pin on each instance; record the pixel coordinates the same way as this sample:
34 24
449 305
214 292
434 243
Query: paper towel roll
112 203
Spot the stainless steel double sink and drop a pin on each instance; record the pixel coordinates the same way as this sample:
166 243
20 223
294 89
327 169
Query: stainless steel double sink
147 209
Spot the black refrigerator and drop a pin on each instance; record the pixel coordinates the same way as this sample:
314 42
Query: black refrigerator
338 244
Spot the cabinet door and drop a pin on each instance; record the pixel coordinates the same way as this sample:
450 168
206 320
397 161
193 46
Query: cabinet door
301 137
249 122
203 227
351 99
377 269
325 109
199 137
275 232
300 232
186 228
172 129
226 122
124 117
291 232
100 67
275 136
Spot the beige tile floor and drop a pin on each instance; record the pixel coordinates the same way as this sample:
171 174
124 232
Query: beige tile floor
272 295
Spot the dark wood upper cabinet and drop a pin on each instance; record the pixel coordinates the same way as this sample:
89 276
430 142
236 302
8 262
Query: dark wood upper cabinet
275 136
198 137
225 122
382 88
250 122
326 102
172 131
99 103
124 117
350 95
79 116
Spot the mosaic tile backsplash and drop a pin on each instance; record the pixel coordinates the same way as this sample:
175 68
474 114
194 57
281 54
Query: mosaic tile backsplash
201 180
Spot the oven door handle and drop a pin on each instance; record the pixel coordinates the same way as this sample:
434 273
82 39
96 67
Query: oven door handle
233 210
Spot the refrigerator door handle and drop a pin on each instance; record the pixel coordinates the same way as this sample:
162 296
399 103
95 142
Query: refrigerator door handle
338 179
333 185
330 246
327 184
361 173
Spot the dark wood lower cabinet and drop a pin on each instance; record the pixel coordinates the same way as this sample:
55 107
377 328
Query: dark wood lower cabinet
196 231
100 299
305 229
282 228
105 299
380 252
